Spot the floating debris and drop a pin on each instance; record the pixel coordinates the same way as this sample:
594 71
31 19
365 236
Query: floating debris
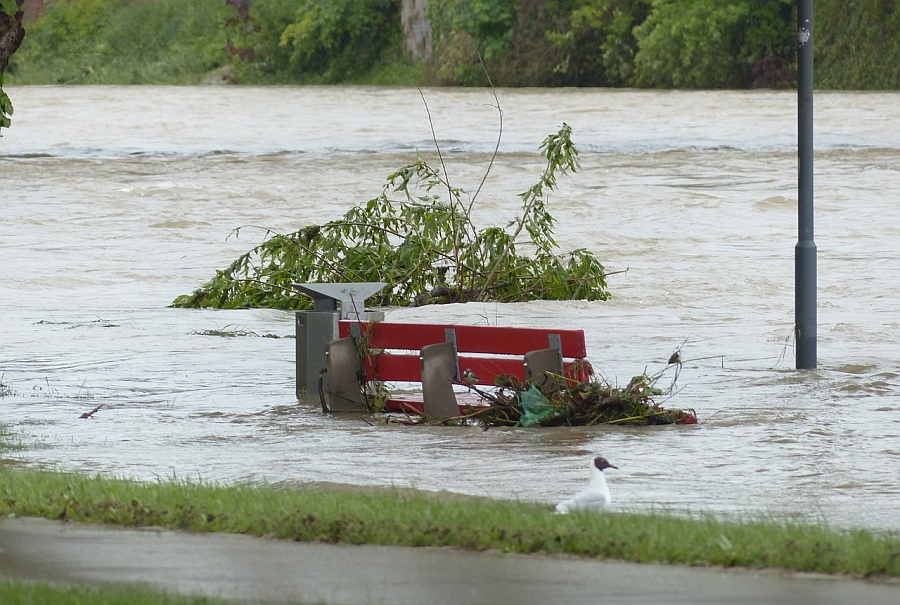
235 333
565 403
92 412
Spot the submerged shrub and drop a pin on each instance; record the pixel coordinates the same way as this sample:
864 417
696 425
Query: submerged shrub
424 248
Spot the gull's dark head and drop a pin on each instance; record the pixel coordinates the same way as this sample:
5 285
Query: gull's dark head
601 463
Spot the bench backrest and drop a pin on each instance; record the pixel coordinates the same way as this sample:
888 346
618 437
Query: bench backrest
479 347
498 340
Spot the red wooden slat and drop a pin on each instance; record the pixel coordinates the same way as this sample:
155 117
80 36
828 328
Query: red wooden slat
411 403
487 368
579 370
501 340
392 367
400 368
406 368
401 403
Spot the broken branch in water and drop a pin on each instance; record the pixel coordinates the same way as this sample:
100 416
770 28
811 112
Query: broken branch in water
92 412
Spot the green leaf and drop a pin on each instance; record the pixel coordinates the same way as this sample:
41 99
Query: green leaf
9 7
6 107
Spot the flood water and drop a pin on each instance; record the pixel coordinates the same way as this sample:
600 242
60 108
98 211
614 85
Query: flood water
115 200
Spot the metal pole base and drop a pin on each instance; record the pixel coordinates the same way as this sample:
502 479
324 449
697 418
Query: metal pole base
805 304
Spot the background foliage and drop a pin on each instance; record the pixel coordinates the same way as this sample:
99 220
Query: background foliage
712 44
123 42
647 43
858 44
321 41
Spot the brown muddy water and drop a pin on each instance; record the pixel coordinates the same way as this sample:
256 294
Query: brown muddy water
117 199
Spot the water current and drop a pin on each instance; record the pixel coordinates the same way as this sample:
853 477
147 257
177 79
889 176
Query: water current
117 199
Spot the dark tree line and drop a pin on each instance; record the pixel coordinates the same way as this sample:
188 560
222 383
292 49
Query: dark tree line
614 43
11 30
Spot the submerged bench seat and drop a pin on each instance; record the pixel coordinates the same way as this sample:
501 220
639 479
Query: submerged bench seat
440 356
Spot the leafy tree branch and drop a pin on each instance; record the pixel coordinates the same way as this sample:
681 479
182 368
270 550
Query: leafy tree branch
424 248
11 35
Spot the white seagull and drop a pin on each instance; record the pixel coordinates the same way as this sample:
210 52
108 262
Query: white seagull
595 496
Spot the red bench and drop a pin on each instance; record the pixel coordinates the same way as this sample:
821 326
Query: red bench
441 356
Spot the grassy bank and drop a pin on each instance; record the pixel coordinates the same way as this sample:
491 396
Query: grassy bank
20 593
410 518
196 41
122 42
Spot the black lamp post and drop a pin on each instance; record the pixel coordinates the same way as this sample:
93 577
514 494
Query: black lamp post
805 250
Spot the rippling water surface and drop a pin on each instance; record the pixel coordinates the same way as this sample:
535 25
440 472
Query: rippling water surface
117 199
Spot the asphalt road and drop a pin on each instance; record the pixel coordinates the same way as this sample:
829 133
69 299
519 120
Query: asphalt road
272 571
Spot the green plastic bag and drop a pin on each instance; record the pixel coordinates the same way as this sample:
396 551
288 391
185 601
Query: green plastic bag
536 407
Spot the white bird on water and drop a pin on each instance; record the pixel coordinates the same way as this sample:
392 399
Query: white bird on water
595 496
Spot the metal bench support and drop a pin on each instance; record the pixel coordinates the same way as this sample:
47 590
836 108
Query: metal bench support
439 372
344 368
348 299
544 366
317 328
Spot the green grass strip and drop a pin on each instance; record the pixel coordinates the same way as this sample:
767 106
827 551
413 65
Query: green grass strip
412 518
21 593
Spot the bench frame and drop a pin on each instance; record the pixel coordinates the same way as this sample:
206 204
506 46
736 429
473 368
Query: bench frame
441 356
